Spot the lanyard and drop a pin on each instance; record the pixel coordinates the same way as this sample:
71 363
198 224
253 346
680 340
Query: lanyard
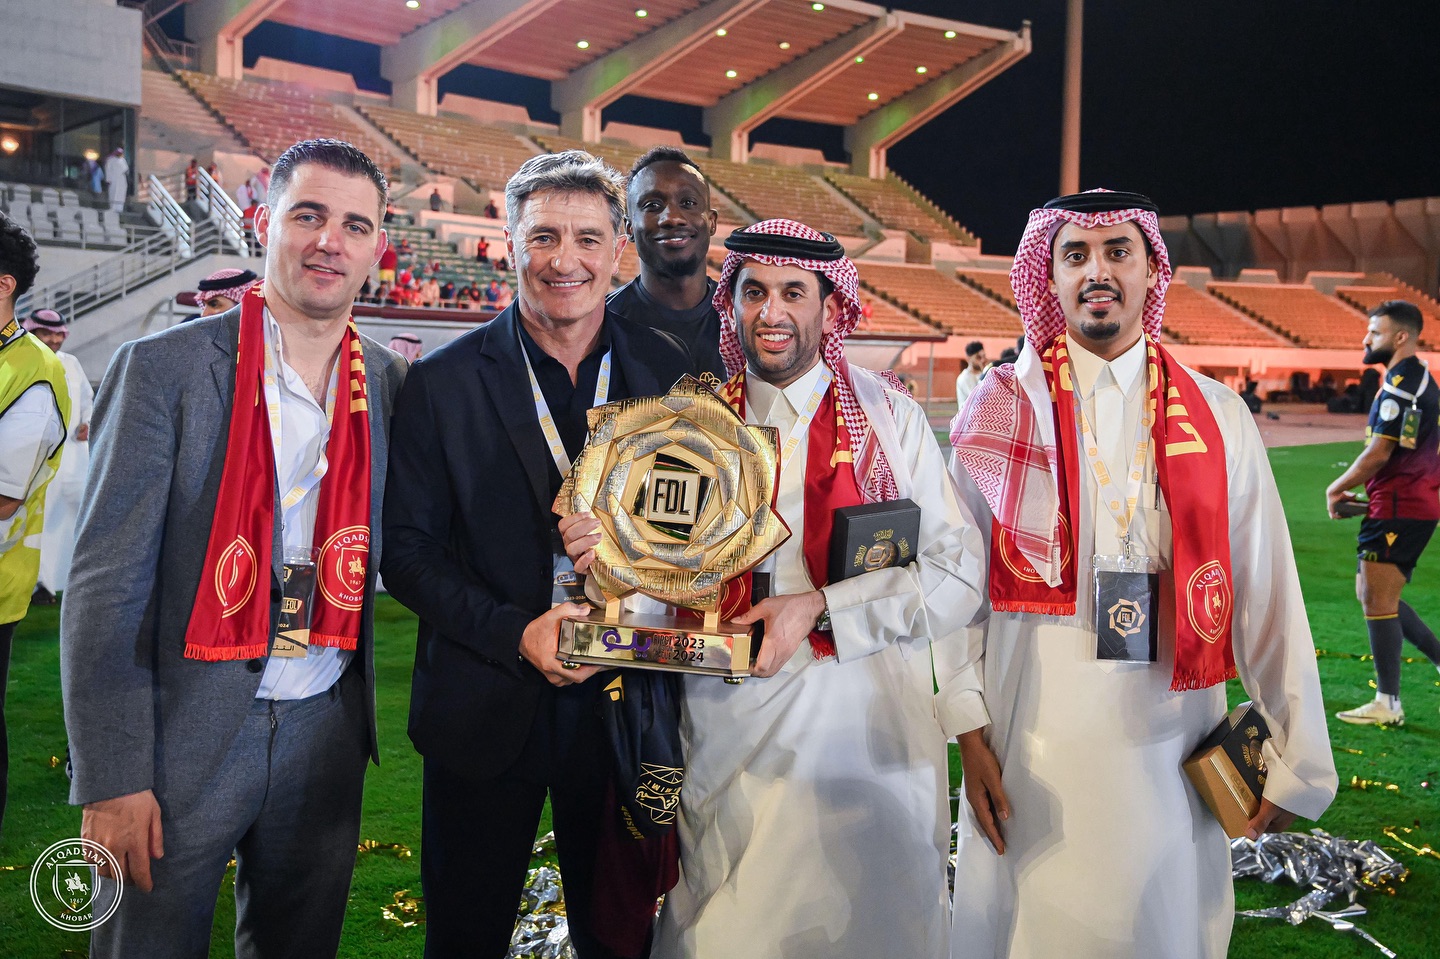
1414 398
547 422
12 331
1122 509
272 406
802 420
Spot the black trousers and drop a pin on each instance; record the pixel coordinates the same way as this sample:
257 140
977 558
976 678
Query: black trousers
477 834
7 633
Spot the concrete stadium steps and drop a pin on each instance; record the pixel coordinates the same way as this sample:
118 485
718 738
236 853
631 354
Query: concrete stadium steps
1427 303
767 192
486 156
454 265
1302 313
993 283
1194 317
941 301
271 116
173 119
1366 297
885 318
891 203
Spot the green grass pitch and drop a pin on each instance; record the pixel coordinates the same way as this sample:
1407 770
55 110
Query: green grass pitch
1406 757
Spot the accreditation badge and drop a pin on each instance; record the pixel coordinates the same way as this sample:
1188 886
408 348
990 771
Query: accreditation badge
292 638
1126 628
1410 428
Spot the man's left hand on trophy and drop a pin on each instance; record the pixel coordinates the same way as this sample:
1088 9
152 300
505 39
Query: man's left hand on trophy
540 646
581 532
788 622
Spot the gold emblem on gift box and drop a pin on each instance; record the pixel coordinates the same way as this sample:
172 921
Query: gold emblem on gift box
683 490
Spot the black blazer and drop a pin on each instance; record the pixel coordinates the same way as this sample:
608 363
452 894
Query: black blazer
468 533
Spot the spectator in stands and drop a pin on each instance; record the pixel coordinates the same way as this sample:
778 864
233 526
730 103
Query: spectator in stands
475 297
247 216
430 292
447 294
1055 694
94 176
407 345
506 295
1400 468
388 261
482 250
437 202
382 293
390 212
245 196
670 220
62 501
221 290
34 407
262 183
117 179
499 722
492 294
405 276
196 732
192 179
216 175
405 249
502 265
491 210
969 377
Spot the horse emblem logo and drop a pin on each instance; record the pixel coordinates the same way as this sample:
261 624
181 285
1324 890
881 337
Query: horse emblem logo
1210 601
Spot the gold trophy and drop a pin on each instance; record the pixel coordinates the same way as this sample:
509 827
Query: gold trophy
684 492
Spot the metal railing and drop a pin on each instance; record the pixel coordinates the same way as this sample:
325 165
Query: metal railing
138 264
223 211
166 213
173 54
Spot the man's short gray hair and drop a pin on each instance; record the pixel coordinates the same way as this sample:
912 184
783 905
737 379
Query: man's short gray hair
573 171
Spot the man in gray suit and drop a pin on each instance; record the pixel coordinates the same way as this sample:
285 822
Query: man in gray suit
195 732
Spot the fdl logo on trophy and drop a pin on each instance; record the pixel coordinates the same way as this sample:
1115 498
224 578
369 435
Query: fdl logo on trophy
66 889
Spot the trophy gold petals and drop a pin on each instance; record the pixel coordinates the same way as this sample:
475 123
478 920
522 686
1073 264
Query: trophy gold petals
684 492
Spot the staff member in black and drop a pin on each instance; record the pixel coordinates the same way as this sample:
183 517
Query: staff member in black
482 434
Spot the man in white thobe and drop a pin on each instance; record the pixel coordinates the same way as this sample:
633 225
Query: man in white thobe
969 378
1095 844
814 812
62 500
117 182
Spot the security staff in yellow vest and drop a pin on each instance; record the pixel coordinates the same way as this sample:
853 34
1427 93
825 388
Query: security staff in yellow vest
34 406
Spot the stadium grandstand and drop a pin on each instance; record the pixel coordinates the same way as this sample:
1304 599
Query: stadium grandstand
1258 296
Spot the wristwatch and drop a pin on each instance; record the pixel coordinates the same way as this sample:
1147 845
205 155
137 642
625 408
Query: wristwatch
823 623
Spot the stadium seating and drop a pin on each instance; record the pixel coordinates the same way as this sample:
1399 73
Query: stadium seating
1302 313
172 119
272 116
457 146
1193 317
993 283
774 191
945 303
885 318
895 207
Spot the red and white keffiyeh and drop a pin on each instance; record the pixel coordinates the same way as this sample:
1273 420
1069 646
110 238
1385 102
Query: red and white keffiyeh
872 469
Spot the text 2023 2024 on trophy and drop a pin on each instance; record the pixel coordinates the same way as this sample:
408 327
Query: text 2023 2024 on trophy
684 492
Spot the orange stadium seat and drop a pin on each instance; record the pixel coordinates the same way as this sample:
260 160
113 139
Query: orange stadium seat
937 299
895 207
457 146
773 191
272 116
993 283
1365 298
885 318
1194 317
1302 313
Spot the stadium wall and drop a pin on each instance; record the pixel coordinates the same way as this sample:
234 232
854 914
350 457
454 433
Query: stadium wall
84 49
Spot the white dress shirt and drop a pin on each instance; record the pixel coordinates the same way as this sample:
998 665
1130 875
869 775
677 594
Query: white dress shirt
304 430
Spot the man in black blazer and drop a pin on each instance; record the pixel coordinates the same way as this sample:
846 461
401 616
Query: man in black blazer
484 430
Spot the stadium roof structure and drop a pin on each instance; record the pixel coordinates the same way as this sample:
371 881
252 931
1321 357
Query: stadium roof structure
881 74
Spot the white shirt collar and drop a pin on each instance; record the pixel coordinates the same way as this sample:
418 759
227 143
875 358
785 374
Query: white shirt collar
761 396
1124 370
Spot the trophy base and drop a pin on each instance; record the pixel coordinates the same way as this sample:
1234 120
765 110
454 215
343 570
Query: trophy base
650 641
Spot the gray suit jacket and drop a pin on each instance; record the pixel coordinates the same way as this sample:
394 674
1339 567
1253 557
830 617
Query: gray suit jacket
140 715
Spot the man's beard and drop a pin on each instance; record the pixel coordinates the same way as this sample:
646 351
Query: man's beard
1098 331
677 269
1381 357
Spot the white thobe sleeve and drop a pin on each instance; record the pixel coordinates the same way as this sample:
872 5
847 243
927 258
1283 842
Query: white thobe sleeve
943 589
1274 651
960 655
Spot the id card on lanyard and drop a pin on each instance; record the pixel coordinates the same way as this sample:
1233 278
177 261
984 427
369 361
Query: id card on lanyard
298 588
566 584
1410 425
1127 583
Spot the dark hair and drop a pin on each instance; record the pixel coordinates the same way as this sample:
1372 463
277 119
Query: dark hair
334 155
18 256
1402 312
660 154
973 347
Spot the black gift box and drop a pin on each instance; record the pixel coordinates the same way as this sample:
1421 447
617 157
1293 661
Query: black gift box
873 536
1227 769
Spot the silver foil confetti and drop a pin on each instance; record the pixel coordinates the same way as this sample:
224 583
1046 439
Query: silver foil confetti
542 931
1333 867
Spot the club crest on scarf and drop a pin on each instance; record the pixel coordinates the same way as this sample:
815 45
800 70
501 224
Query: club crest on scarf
235 577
